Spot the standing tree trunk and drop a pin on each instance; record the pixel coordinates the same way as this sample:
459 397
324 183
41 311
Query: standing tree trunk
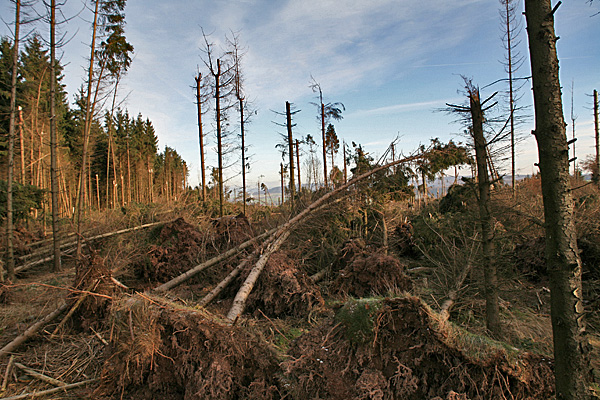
288 115
10 256
86 132
597 134
201 136
53 140
298 165
219 134
562 256
241 99
324 147
492 310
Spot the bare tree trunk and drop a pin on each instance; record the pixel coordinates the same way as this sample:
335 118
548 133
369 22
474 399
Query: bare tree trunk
288 115
201 135
324 147
492 309
10 256
282 186
345 167
597 135
22 145
572 370
243 154
298 165
86 132
219 134
56 266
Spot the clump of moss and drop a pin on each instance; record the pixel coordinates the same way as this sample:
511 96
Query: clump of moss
358 317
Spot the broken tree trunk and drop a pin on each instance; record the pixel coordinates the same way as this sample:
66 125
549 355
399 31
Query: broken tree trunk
32 330
200 267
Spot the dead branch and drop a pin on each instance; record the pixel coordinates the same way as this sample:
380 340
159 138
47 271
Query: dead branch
9 368
39 376
188 274
51 391
32 330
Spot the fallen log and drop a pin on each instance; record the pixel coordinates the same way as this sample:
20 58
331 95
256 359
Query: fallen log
200 267
50 391
239 302
32 330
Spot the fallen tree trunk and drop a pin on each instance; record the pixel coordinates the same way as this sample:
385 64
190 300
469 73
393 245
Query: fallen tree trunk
239 302
32 330
200 267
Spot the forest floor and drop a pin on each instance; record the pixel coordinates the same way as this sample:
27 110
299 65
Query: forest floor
346 309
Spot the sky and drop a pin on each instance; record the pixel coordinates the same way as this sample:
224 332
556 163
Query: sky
394 64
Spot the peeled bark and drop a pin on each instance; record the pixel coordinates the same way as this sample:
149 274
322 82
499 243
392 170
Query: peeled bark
572 369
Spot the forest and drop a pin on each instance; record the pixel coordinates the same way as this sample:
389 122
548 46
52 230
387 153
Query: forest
120 279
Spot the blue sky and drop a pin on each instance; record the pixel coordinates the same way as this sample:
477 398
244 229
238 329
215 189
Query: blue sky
393 63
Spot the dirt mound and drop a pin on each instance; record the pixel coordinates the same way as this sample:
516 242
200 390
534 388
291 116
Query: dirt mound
233 230
161 350
364 271
283 289
177 249
395 349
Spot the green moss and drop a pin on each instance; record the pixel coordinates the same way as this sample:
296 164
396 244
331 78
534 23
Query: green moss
479 347
358 317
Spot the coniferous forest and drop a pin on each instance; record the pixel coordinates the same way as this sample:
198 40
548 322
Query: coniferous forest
428 273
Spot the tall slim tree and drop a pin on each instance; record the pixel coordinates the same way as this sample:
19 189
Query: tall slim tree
597 135
198 80
290 140
10 257
222 71
571 369
326 113
511 29
53 141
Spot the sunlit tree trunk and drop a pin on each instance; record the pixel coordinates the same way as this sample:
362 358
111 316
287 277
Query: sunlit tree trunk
572 371
56 266
10 256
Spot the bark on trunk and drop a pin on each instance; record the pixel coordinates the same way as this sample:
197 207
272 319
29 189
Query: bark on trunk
53 141
492 309
10 256
572 370
288 117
